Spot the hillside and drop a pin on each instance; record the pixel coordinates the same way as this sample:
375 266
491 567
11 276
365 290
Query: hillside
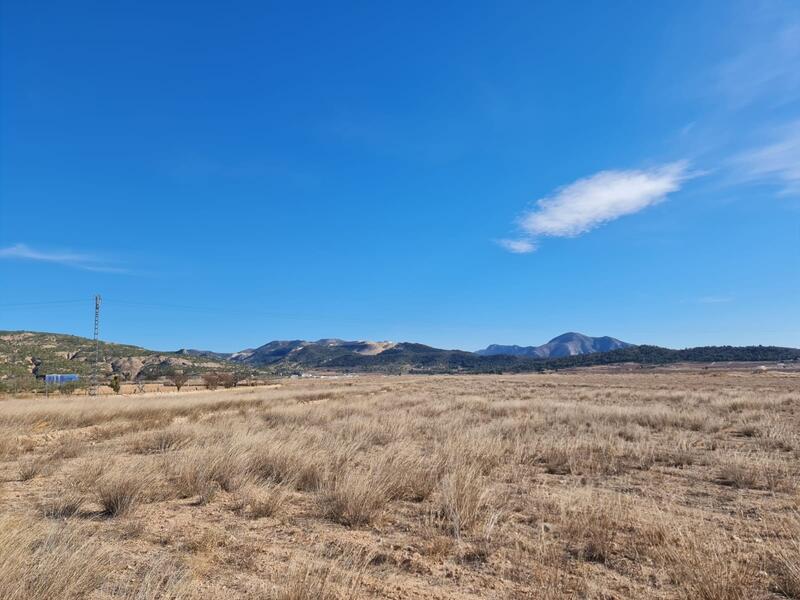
26 356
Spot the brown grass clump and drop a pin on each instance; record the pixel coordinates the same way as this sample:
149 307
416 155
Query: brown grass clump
708 569
33 466
407 474
286 462
784 559
200 471
590 528
353 497
258 501
67 503
68 446
161 440
316 579
463 500
738 472
119 493
48 561
162 579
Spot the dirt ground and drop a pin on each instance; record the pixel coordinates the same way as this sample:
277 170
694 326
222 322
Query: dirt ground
574 485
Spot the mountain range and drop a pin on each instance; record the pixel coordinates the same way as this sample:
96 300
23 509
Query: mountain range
26 355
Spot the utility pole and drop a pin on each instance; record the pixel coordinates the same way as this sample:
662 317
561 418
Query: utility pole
93 388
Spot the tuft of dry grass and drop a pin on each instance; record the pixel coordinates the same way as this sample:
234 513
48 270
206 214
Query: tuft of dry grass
352 497
784 559
119 493
68 446
739 472
590 527
163 578
65 504
259 501
708 569
48 561
318 579
160 441
199 471
463 498
33 466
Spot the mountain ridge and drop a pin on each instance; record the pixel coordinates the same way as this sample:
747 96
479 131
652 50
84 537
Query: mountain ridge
566 344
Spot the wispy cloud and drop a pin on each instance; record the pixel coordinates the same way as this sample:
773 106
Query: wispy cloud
521 246
777 161
765 69
588 203
87 262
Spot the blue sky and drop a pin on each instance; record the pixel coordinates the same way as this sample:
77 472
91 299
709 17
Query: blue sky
456 174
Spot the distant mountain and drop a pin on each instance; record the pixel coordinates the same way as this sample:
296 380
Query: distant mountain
302 352
203 354
567 344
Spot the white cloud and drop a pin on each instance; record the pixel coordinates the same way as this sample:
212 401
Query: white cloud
588 203
521 246
70 259
778 161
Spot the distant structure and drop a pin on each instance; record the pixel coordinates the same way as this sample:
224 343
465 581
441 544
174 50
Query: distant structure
58 379
93 386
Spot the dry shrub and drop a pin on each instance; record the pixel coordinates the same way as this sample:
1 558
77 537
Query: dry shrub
463 498
352 497
261 501
119 493
46 561
707 569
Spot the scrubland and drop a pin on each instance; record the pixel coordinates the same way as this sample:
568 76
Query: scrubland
577 485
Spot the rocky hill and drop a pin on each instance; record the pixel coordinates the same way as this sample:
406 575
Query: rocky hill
567 344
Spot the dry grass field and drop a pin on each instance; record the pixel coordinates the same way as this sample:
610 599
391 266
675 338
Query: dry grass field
578 485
